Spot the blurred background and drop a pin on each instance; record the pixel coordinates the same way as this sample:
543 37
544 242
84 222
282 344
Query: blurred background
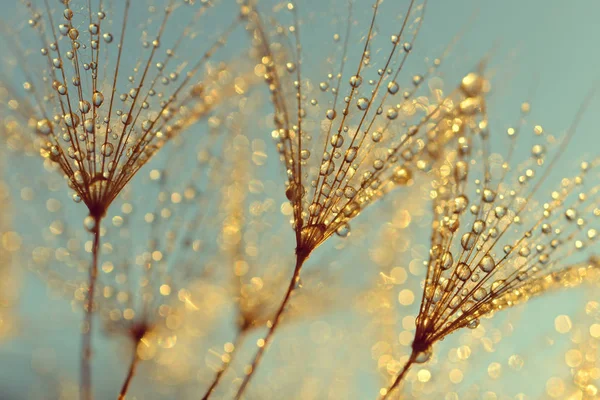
355 313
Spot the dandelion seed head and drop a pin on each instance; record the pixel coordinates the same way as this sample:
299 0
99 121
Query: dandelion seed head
101 105
352 135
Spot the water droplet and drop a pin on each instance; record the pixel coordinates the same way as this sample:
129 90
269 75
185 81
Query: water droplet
480 294
89 125
393 87
423 356
126 119
473 324
376 136
44 127
330 114
401 175
488 195
293 192
468 241
73 34
571 214
538 151
487 263
107 149
351 154
343 230
84 106
463 272
355 81
460 204
447 260
98 99
478 226
72 120
337 140
472 84
89 223
362 103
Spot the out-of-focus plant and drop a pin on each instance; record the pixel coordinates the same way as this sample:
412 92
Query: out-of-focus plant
98 116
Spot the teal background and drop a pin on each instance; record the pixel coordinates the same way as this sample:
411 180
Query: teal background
550 45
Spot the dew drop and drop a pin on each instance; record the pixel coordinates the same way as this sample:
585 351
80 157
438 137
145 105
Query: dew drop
88 125
468 241
447 260
98 99
463 272
473 324
89 223
488 195
44 127
84 106
393 87
401 175
362 103
423 356
355 81
343 230
472 84
72 120
107 149
376 136
487 263
351 154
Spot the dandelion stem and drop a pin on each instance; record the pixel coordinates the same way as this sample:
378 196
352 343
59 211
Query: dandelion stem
132 367
300 258
225 366
86 351
400 376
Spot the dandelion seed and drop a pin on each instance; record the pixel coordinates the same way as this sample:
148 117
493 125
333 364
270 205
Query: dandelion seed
368 140
96 141
492 247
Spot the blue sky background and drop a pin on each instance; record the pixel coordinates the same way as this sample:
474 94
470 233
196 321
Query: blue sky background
551 42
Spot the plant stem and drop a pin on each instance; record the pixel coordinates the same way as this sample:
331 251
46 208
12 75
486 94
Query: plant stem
86 351
225 366
132 367
399 378
300 258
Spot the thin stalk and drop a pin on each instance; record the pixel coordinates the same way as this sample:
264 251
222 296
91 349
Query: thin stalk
225 366
300 258
86 350
132 367
399 378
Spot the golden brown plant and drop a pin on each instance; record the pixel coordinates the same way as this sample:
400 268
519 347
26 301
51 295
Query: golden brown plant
350 137
249 251
493 244
98 116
